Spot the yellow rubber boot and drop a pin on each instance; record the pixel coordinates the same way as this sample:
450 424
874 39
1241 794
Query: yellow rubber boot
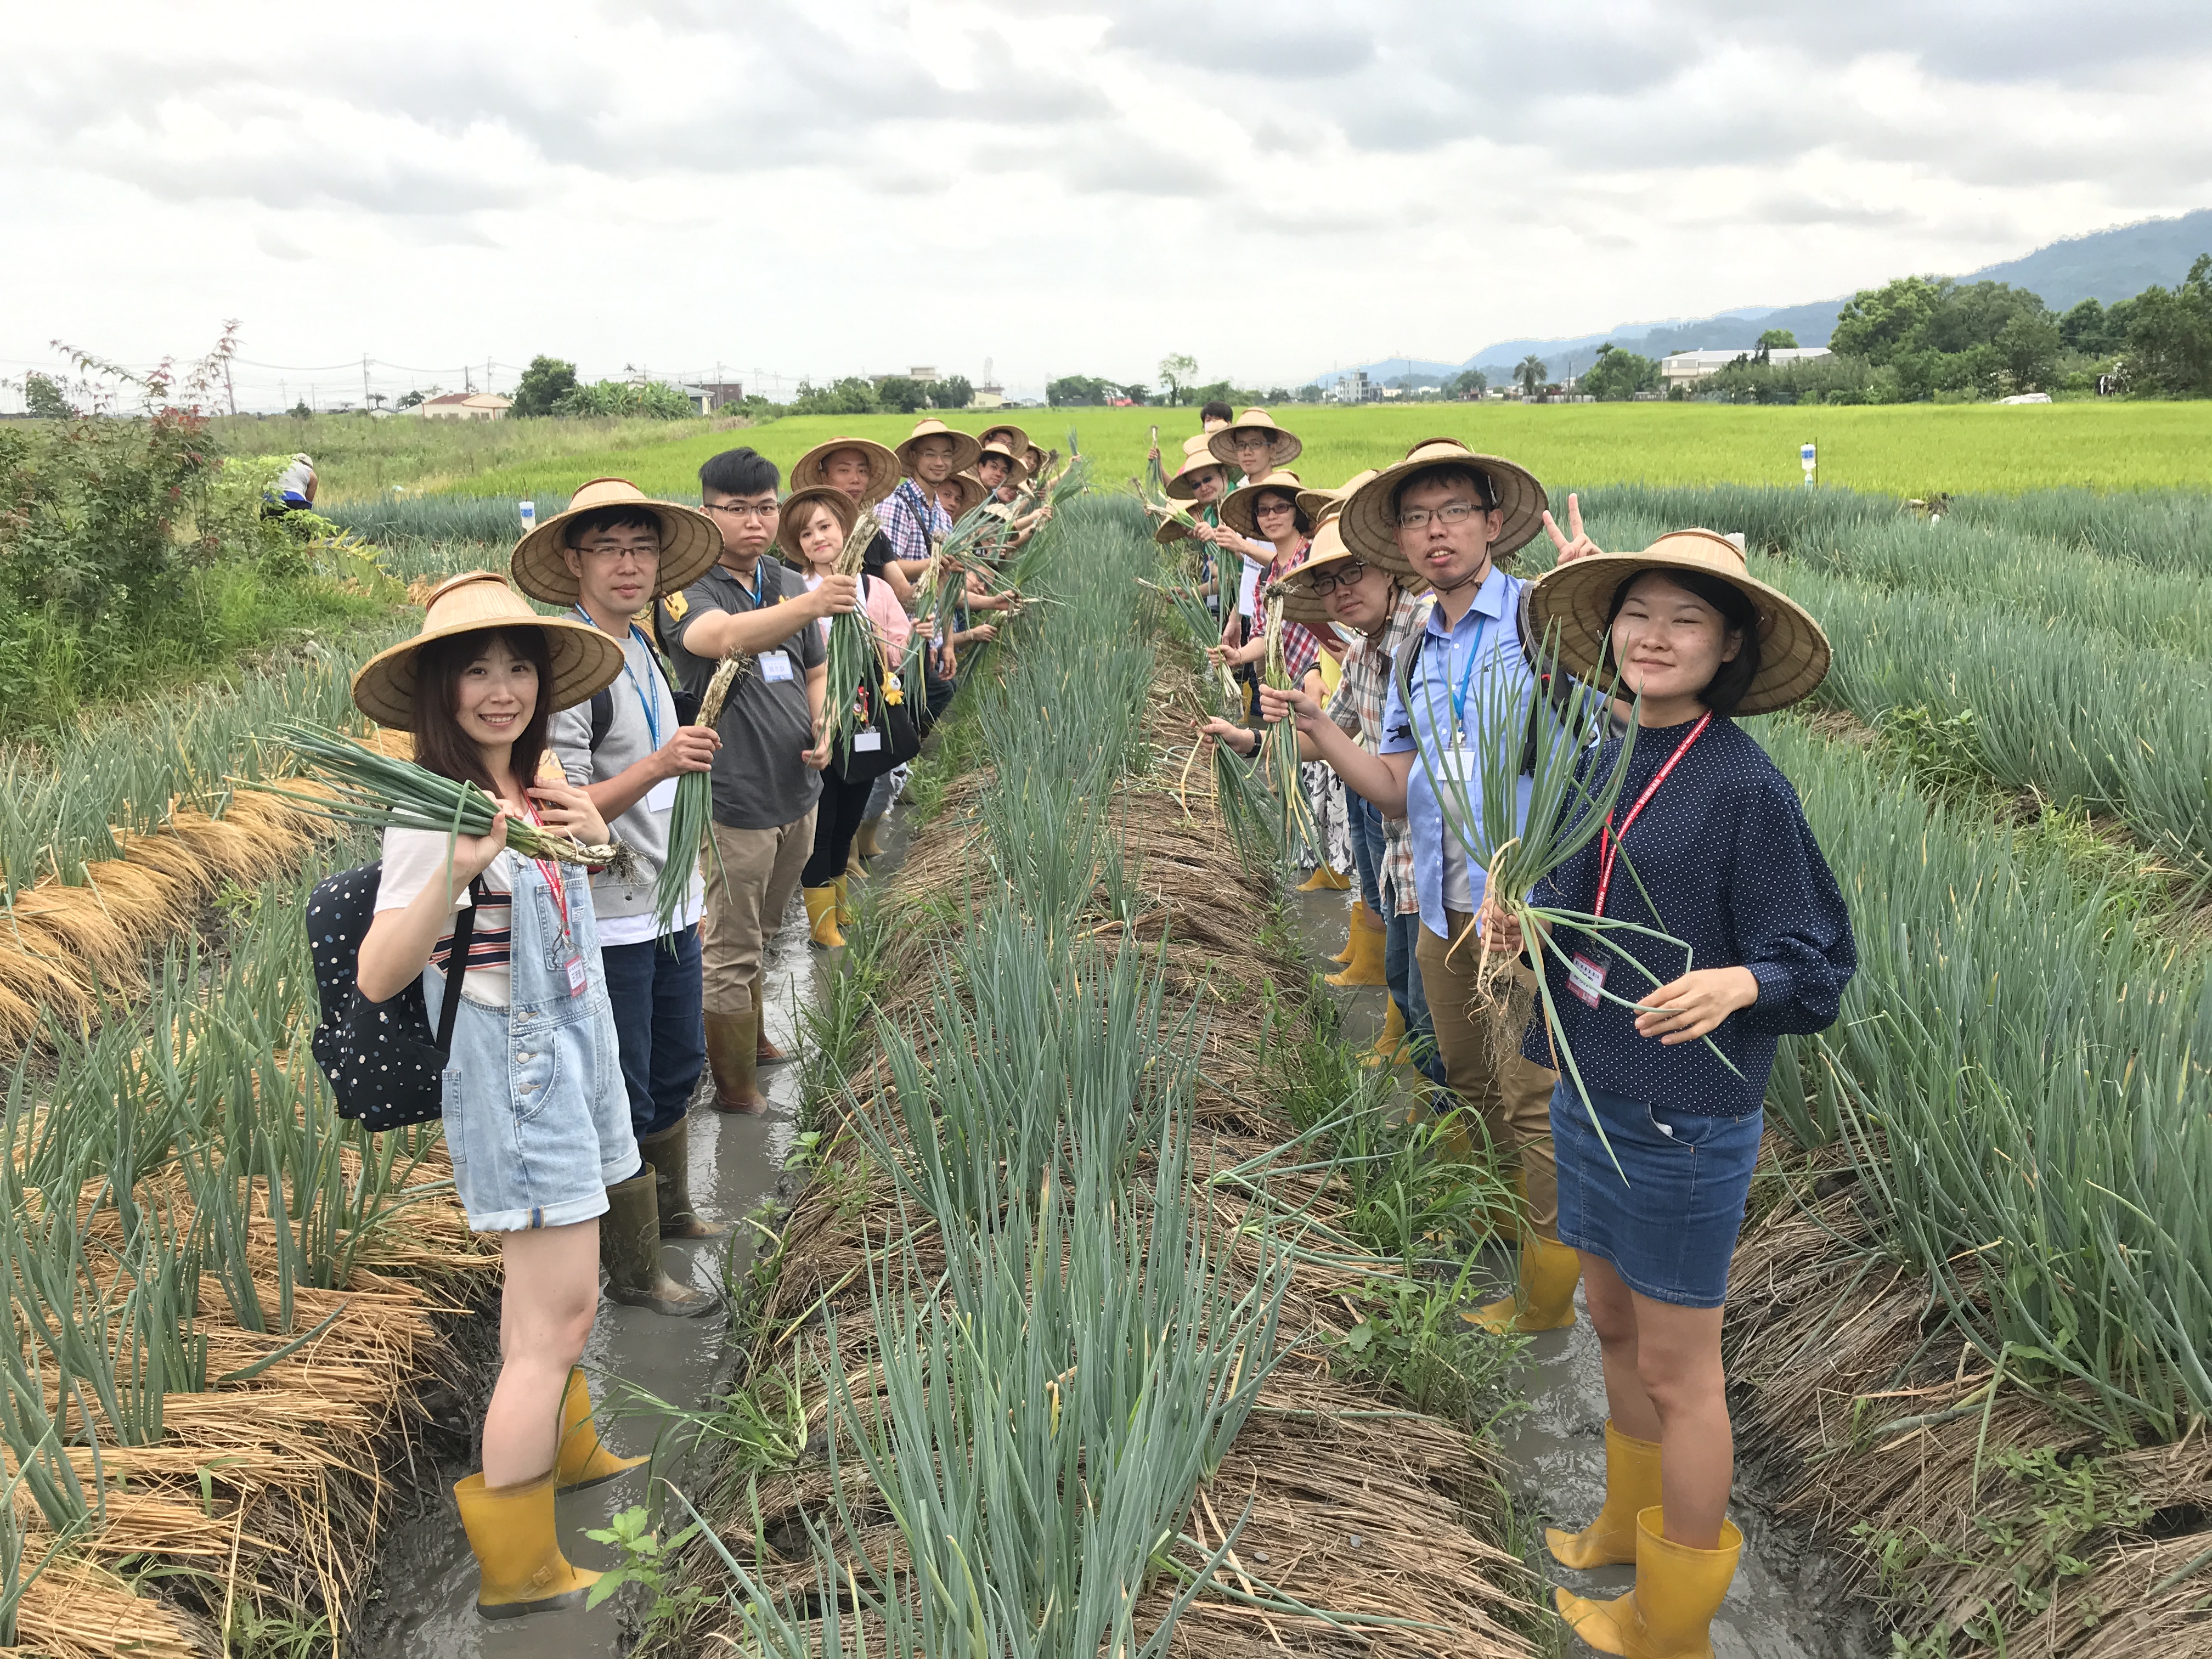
1324 880
1546 1301
1669 1613
1631 1486
582 1460
519 1566
1365 967
1361 917
821 917
1389 1047
844 901
864 843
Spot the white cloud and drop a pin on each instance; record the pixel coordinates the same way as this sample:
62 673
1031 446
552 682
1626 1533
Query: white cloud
1060 184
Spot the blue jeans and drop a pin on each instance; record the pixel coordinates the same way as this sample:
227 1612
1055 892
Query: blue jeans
1400 969
658 1026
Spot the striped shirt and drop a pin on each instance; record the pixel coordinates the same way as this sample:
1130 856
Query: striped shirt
910 518
1370 665
413 858
1301 645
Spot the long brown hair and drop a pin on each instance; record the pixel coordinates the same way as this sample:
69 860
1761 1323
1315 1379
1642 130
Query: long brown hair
440 743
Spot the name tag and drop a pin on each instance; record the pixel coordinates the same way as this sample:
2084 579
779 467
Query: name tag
1585 979
774 665
577 978
863 741
661 797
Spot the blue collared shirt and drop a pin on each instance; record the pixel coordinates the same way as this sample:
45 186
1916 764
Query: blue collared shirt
1483 652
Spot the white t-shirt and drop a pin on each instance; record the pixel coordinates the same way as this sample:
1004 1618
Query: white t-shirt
413 860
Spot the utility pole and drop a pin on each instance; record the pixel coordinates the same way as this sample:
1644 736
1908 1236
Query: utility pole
364 380
284 397
233 391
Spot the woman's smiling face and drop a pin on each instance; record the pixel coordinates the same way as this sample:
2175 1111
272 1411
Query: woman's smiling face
1669 643
497 694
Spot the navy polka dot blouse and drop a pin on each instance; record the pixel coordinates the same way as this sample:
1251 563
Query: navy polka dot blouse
1723 860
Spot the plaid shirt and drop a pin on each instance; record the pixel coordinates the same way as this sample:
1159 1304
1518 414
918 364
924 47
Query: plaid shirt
1357 708
1301 645
910 517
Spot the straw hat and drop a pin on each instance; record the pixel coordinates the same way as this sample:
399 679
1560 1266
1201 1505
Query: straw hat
883 469
1286 446
1196 457
1012 437
1171 531
1793 651
689 543
1240 508
1018 470
799 507
1318 501
972 495
1300 603
1370 512
585 660
965 448
1032 456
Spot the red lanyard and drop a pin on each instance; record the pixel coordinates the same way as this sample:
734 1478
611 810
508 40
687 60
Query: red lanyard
1608 845
550 868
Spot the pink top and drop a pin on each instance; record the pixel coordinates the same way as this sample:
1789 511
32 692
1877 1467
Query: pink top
884 610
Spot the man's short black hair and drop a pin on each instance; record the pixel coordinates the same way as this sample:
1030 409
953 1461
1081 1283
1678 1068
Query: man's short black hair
1738 615
618 517
1216 411
744 472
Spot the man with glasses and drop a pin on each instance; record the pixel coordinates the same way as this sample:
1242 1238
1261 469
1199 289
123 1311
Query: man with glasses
767 772
1445 516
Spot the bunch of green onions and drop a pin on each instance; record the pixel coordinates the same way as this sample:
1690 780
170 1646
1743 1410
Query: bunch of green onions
376 792
1511 719
854 656
1278 754
694 811
1247 811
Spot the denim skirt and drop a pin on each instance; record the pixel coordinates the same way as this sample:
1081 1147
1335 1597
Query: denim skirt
1670 1228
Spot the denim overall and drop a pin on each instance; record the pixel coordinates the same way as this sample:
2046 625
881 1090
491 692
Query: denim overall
537 1116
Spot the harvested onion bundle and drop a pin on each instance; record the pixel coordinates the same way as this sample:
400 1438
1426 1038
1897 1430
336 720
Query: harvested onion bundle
694 810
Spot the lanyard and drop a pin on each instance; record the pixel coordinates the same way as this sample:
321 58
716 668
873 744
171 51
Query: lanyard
550 869
650 705
1609 838
1466 677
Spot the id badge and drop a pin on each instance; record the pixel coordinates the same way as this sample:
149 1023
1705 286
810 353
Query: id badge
865 741
661 797
774 667
1585 979
577 978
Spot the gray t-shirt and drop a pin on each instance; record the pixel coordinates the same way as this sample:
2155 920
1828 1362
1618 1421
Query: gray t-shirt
625 909
761 781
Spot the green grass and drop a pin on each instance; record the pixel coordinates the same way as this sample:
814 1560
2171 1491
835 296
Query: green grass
357 459
1907 450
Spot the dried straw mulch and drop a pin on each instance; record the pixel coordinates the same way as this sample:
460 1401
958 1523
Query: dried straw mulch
1908 1459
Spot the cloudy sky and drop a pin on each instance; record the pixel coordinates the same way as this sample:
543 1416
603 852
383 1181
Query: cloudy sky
1059 187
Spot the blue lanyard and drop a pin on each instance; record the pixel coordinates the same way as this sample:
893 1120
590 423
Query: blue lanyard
650 705
1467 675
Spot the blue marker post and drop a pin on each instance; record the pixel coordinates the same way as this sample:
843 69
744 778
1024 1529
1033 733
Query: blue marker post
1805 459
529 511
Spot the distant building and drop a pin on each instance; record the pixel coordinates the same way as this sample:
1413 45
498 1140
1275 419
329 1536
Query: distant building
708 395
1684 368
924 372
1352 386
466 406
988 396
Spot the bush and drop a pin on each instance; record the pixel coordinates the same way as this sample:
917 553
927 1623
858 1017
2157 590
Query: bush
654 399
851 396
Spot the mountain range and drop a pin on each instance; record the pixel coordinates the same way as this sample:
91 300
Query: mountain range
2105 266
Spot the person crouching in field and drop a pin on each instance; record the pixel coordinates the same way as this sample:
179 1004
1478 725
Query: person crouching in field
535 1113
607 558
1725 863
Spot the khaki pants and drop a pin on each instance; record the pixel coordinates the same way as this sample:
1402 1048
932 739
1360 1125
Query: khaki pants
1484 1067
748 890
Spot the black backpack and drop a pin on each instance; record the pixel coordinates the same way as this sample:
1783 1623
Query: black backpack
385 1067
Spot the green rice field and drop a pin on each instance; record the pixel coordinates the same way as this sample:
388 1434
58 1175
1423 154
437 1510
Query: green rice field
1899 450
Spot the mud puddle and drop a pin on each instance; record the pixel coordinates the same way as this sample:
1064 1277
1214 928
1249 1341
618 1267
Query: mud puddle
421 1603
1787 1601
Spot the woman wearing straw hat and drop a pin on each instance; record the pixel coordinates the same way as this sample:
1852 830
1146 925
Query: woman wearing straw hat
812 534
867 472
1445 516
607 557
1725 863
1201 481
536 1117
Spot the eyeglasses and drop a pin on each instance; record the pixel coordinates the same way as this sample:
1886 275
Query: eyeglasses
1265 508
1417 518
744 509
1326 583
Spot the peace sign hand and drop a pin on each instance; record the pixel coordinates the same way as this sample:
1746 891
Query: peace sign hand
1574 544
